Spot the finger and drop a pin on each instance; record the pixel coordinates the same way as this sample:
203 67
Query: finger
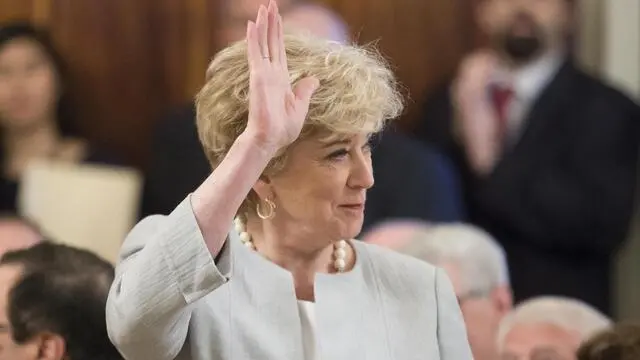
261 25
253 47
303 91
282 57
272 32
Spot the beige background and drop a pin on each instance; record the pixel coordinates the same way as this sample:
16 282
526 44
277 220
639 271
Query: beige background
610 47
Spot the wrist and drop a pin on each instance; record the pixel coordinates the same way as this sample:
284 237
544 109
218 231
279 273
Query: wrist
257 144
483 157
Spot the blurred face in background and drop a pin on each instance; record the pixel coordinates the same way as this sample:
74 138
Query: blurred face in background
238 12
525 29
539 342
314 19
482 313
28 85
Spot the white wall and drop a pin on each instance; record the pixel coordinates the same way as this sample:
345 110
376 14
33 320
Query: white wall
609 45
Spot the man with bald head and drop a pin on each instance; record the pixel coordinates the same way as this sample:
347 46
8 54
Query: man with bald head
16 234
548 327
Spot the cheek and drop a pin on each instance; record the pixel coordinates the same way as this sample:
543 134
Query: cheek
496 17
42 89
5 92
481 321
317 192
473 317
8 349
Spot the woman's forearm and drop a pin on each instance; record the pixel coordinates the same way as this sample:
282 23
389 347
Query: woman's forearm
217 200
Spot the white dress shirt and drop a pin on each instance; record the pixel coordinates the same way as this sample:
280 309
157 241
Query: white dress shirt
308 322
527 83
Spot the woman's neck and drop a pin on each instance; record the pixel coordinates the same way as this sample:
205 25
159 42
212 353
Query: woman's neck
23 145
284 249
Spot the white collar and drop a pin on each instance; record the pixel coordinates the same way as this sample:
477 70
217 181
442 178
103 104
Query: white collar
529 80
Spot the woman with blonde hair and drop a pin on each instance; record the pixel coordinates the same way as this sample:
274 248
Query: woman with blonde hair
292 166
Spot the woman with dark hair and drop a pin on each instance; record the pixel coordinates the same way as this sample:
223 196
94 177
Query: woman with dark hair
35 113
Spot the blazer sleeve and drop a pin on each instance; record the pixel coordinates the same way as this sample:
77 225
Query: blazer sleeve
164 269
452 334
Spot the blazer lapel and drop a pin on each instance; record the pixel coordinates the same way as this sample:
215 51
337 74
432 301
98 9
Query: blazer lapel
540 117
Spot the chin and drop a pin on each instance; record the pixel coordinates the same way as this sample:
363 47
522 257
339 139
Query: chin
351 228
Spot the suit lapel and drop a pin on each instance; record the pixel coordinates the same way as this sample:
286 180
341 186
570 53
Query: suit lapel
540 117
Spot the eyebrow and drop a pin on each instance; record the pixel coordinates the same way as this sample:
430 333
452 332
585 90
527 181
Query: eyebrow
4 327
336 142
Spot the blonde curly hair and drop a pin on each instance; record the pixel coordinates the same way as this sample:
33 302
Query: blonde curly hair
358 94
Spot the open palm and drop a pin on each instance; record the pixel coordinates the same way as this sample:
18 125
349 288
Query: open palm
276 110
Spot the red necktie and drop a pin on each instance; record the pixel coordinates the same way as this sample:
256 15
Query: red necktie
502 96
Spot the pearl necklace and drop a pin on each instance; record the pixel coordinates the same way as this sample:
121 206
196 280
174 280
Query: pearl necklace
339 248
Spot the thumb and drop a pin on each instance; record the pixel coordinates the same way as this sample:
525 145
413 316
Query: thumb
304 89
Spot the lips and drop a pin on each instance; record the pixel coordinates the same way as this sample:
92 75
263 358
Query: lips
353 206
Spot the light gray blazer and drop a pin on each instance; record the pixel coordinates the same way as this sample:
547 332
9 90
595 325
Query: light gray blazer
171 300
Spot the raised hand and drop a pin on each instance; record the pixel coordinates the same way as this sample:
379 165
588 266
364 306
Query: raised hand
276 110
475 120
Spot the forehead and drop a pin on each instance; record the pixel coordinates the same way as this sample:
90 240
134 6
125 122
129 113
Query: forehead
524 338
324 139
19 49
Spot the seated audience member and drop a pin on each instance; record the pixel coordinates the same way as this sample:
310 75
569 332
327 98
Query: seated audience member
52 304
548 328
17 233
35 113
476 265
622 342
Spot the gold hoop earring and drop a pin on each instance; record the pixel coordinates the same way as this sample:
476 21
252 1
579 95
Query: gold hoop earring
270 213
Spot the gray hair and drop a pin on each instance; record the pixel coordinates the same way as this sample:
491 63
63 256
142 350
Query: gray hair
566 313
476 254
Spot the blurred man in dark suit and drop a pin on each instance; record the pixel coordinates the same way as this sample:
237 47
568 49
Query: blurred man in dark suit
548 153
412 181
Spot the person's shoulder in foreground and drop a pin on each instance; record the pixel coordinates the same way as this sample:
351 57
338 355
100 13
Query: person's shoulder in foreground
413 282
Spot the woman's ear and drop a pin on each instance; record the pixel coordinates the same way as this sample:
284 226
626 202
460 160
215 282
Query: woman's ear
50 346
262 188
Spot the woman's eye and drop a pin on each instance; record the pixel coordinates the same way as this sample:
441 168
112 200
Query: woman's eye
338 154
